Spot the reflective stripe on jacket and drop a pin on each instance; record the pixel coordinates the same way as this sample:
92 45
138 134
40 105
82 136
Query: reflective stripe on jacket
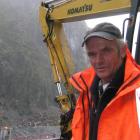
119 119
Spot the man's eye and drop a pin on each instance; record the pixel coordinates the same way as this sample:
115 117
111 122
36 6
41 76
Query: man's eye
91 55
106 50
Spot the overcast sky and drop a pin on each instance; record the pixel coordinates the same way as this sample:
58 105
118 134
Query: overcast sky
118 21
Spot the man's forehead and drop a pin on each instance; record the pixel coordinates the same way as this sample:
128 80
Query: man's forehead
98 40
98 44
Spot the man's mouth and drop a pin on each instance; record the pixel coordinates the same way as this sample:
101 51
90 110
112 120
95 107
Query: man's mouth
100 68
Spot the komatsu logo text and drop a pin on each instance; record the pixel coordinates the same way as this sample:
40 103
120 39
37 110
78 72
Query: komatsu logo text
81 9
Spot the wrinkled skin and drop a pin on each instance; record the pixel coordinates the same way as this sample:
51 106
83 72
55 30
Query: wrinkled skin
105 56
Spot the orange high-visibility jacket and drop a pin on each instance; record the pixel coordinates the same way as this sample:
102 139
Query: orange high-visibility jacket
121 117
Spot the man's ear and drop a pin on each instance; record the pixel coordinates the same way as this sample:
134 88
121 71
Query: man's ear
123 50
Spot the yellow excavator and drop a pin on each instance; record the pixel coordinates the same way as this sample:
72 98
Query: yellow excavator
52 14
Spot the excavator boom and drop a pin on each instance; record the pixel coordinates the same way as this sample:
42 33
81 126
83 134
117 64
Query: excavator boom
73 10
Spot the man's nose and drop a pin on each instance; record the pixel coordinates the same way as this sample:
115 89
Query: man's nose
99 58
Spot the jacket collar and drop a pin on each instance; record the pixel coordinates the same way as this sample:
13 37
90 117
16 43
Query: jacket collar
83 80
132 74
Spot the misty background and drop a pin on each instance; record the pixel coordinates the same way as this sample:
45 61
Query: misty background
27 90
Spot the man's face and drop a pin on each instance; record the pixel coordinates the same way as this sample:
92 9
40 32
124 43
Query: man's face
105 56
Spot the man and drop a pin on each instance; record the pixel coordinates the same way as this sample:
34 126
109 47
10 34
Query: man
107 107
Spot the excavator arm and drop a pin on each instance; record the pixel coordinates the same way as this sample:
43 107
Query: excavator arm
53 13
74 10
